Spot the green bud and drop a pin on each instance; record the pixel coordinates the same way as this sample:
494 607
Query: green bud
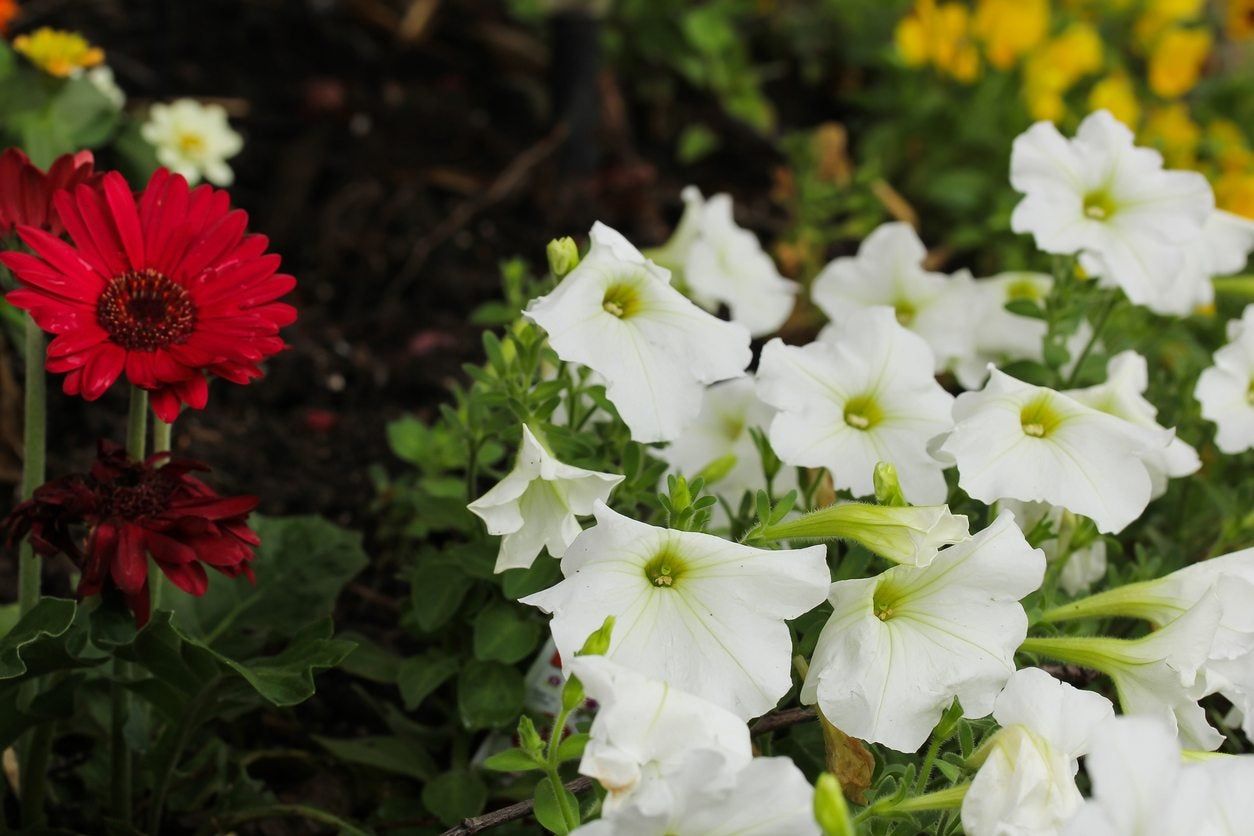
563 256
910 535
572 696
830 809
718 468
598 643
528 737
887 487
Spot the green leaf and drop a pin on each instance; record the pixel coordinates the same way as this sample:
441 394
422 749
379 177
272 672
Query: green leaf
456 795
436 591
571 748
1025 307
502 633
489 695
512 760
84 113
42 641
418 676
187 664
386 753
302 564
519 583
548 809
369 660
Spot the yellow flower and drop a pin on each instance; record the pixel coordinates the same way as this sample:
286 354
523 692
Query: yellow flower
1160 15
1056 66
939 35
1234 192
1228 145
1172 131
1176 61
1010 28
1116 94
1240 19
58 52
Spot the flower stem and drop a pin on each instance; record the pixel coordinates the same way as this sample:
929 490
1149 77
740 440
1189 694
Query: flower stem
137 424
1102 318
34 463
1093 652
119 696
161 435
929 762
37 748
946 799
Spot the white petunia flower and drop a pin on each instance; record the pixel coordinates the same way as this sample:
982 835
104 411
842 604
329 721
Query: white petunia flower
1228 782
1102 197
643 732
768 797
1140 785
718 445
1222 249
1026 778
700 613
617 314
726 265
535 505
899 647
1229 668
1160 675
1012 440
102 79
1001 336
863 397
888 271
1122 395
193 139
1226 389
1086 564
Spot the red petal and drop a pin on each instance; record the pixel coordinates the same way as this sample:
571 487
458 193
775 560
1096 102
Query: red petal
102 370
130 564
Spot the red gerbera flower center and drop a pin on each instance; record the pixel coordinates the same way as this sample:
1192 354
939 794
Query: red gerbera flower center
146 310
136 495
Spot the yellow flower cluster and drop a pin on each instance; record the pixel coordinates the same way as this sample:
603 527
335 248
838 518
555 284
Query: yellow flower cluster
57 52
948 36
1056 66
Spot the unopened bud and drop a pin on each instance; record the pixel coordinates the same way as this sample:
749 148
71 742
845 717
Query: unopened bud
563 256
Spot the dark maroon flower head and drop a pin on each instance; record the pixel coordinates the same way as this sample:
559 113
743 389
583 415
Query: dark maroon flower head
111 520
26 192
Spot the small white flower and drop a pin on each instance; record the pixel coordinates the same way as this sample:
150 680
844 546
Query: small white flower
888 271
643 732
700 613
726 265
1222 249
535 505
102 79
865 396
1122 395
1026 781
1140 785
1012 440
769 797
719 445
1161 675
899 647
1226 389
1102 197
1085 565
1229 668
193 139
617 314
1001 336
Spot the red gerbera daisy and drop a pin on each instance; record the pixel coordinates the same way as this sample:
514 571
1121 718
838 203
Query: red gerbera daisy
26 191
132 510
168 289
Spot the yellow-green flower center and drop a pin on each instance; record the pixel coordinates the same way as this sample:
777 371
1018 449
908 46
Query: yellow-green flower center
665 569
1024 289
1038 417
886 600
621 299
1099 205
905 312
862 412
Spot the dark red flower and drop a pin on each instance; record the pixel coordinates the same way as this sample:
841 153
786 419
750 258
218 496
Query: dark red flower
167 290
26 192
111 520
